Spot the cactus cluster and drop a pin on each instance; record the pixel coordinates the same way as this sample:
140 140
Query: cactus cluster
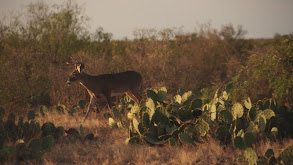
30 140
80 106
25 138
157 122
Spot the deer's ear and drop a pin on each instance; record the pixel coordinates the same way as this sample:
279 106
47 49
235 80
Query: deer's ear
79 67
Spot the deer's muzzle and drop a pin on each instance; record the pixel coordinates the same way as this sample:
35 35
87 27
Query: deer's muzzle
68 83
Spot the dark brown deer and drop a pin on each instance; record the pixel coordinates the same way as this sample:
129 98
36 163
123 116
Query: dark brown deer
107 85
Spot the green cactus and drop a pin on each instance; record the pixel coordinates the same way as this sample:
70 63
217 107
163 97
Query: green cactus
81 104
146 120
133 140
116 113
173 141
187 96
229 86
251 156
59 132
151 138
153 95
61 108
268 113
89 136
287 155
73 109
47 143
223 134
260 105
185 138
150 107
269 153
274 132
107 115
226 116
35 147
202 127
196 104
177 99
252 113
247 103
43 110
31 115
111 122
136 125
240 133
239 143
162 93
160 116
213 112
135 109
237 110
7 152
249 139
225 95
48 129
20 121
262 123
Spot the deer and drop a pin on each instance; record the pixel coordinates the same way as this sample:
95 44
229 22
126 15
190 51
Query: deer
107 85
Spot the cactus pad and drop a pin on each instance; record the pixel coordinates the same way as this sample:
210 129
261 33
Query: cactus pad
237 110
202 127
250 156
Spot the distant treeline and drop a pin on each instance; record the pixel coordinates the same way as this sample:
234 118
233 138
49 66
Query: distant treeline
35 47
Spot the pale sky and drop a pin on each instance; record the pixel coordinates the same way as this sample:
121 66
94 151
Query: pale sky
261 18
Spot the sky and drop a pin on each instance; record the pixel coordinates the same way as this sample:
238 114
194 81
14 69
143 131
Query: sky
261 18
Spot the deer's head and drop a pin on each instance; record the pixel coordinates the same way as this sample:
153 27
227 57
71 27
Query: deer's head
75 75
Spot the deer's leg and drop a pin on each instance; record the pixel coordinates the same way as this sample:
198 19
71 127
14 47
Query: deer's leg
109 100
133 97
90 107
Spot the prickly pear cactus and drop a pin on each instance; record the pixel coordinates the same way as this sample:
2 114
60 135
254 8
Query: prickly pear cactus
47 143
7 152
35 147
150 107
223 134
262 123
239 143
202 127
48 129
185 138
269 153
31 115
213 111
226 116
187 96
250 156
247 103
162 93
82 104
44 110
61 108
153 95
59 132
237 110
287 155
249 139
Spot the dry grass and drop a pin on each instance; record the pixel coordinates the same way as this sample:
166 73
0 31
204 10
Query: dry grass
108 147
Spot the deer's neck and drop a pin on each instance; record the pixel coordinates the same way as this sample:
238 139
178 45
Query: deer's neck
85 79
